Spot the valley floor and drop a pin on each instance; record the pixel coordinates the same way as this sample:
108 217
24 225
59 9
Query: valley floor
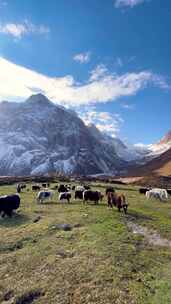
100 260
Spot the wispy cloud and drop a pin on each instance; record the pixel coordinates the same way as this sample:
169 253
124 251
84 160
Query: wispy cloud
127 3
109 123
19 82
128 106
18 30
82 57
119 62
99 72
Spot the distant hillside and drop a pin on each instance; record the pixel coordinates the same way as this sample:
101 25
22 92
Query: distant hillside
160 165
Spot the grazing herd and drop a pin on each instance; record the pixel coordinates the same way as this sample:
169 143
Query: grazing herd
10 203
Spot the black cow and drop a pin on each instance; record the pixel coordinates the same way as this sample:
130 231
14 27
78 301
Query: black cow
65 196
89 195
8 203
45 185
36 188
79 194
169 191
110 189
143 190
18 188
62 188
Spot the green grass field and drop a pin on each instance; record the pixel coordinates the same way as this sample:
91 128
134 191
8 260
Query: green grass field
99 261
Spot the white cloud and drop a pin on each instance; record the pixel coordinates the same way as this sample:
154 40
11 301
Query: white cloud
19 82
100 71
82 57
106 122
129 3
18 30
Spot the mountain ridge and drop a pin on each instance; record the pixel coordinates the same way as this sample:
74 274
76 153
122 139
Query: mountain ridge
39 137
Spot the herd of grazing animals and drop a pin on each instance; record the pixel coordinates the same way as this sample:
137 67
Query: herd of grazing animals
9 203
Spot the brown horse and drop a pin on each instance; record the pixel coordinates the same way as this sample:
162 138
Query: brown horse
119 201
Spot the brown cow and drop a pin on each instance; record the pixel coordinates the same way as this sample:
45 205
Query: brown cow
118 201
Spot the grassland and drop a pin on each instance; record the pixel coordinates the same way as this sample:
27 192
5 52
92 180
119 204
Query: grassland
99 261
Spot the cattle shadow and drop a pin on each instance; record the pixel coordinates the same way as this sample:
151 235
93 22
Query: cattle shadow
72 203
137 216
88 203
58 203
46 203
17 219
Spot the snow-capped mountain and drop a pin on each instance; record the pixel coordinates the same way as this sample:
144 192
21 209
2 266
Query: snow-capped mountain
39 137
162 146
137 153
160 165
154 150
156 159
124 151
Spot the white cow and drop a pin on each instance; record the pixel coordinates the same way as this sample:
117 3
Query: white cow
157 193
44 195
79 188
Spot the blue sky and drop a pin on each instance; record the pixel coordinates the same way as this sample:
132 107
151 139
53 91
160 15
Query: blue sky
109 60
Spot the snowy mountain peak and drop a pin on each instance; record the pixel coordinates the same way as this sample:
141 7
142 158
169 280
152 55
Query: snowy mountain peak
39 137
39 99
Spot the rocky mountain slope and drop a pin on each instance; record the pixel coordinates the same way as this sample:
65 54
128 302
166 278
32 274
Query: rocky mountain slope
161 165
157 162
123 150
38 137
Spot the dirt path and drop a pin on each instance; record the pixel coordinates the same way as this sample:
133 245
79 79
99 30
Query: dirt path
151 236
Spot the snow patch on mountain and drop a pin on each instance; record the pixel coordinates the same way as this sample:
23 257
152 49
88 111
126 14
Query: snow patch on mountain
124 150
138 153
38 137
